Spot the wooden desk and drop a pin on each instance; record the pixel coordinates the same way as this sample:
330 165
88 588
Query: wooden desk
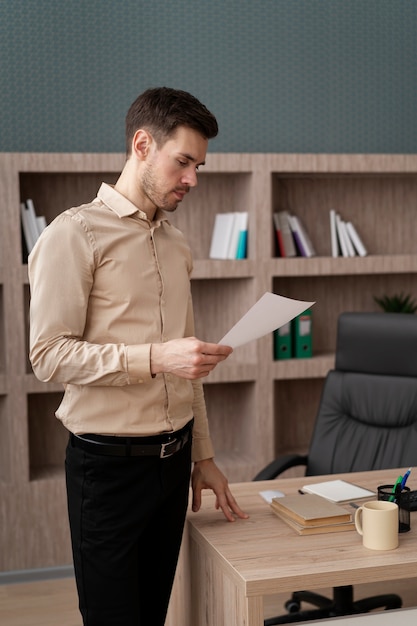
234 566
403 617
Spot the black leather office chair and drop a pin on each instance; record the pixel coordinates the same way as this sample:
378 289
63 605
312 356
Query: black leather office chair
367 420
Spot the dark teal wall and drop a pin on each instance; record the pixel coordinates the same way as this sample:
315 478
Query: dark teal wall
281 75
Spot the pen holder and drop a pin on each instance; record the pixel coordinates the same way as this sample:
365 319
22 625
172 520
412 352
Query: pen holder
402 498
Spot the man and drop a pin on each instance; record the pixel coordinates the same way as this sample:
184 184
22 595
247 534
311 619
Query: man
111 318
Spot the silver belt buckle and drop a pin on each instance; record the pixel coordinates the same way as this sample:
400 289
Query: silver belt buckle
165 453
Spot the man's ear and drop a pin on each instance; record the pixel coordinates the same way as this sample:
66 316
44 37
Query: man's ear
141 143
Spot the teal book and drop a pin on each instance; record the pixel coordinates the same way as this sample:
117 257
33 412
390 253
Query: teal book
242 245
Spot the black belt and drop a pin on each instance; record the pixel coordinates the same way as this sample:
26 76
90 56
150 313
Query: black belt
157 445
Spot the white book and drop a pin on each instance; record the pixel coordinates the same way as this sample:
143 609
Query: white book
349 245
301 237
333 234
338 490
356 240
220 240
240 223
341 236
28 233
41 223
32 218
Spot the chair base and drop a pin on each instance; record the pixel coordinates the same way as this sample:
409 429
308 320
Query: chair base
341 604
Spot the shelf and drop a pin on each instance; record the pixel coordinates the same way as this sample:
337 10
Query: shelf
296 404
2 335
315 367
5 460
208 268
257 407
47 436
218 305
232 372
329 266
45 473
233 415
215 193
3 385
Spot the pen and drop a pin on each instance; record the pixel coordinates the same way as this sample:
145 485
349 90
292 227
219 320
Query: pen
404 480
395 487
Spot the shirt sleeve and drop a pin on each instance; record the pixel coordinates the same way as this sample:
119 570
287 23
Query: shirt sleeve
202 444
61 273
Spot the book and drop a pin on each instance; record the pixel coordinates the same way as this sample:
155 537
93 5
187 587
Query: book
333 234
32 224
234 236
241 228
39 222
315 530
356 240
30 233
221 236
341 236
279 237
229 237
338 491
301 237
348 241
284 235
310 510
344 237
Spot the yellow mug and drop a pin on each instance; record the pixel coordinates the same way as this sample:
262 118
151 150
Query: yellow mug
377 522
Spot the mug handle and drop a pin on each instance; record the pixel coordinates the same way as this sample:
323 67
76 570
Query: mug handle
358 520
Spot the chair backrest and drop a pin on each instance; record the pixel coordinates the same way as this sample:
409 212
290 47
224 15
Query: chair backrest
367 418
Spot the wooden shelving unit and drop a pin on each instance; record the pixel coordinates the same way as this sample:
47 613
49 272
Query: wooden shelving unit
257 407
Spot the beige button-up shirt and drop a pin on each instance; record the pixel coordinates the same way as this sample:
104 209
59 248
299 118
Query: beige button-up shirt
106 283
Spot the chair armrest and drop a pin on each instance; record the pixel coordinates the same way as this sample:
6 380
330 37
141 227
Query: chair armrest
279 465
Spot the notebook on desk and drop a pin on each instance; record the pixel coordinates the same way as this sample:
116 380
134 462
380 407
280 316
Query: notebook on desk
338 491
312 514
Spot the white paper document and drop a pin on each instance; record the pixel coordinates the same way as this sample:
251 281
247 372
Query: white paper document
338 490
269 313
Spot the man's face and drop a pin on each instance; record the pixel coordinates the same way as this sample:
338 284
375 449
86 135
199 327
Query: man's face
171 170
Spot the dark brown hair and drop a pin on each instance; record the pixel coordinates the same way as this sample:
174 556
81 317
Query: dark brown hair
161 110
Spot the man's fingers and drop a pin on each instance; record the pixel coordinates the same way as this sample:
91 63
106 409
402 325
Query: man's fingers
229 506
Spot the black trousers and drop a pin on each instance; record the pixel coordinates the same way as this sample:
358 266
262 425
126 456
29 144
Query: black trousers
126 518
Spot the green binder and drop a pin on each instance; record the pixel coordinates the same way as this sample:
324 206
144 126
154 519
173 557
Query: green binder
302 335
283 342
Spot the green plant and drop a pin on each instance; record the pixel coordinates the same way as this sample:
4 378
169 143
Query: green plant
402 303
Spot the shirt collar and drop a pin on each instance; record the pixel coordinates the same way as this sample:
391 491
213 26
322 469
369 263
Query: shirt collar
122 206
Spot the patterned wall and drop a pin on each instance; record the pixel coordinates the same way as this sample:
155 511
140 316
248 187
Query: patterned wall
280 75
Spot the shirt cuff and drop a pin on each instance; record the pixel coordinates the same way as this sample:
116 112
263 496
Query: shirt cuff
202 449
139 363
